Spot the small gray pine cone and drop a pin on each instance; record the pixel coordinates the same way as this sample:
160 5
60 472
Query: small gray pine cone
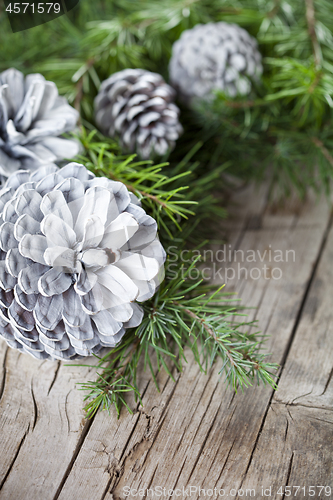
77 253
137 106
214 56
32 117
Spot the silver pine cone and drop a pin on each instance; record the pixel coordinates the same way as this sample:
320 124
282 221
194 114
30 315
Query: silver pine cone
77 253
137 106
214 56
32 117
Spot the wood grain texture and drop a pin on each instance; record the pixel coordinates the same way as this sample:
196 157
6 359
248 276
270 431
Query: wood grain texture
307 375
298 439
194 431
41 422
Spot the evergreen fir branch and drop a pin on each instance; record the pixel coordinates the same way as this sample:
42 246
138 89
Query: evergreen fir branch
295 38
96 39
323 150
147 181
183 313
161 187
111 385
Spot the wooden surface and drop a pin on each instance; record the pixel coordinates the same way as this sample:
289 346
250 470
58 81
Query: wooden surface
196 432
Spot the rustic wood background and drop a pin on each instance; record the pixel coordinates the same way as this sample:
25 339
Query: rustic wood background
195 431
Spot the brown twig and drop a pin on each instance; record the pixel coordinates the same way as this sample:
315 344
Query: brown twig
311 20
237 105
274 10
79 94
209 330
121 370
322 148
244 104
150 196
79 85
314 83
132 188
190 313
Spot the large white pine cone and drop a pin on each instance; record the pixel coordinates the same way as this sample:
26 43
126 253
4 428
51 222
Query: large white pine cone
214 56
32 117
137 106
77 252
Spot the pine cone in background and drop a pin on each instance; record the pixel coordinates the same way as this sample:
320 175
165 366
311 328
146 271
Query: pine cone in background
32 117
214 56
77 252
137 106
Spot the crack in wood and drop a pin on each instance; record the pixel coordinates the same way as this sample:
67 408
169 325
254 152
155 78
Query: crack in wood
290 415
327 383
15 457
151 480
177 478
206 436
234 394
322 420
326 408
83 436
3 381
55 377
136 449
257 438
288 473
306 293
287 428
66 413
149 418
118 473
225 462
118 470
299 397
134 427
311 407
34 406
218 449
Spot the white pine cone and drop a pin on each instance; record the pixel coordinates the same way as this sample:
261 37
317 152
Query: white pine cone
32 117
214 56
77 252
137 106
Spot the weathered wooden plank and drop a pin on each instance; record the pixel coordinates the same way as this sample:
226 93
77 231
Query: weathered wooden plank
202 434
41 422
41 433
247 203
293 450
17 409
117 442
307 375
230 441
305 381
